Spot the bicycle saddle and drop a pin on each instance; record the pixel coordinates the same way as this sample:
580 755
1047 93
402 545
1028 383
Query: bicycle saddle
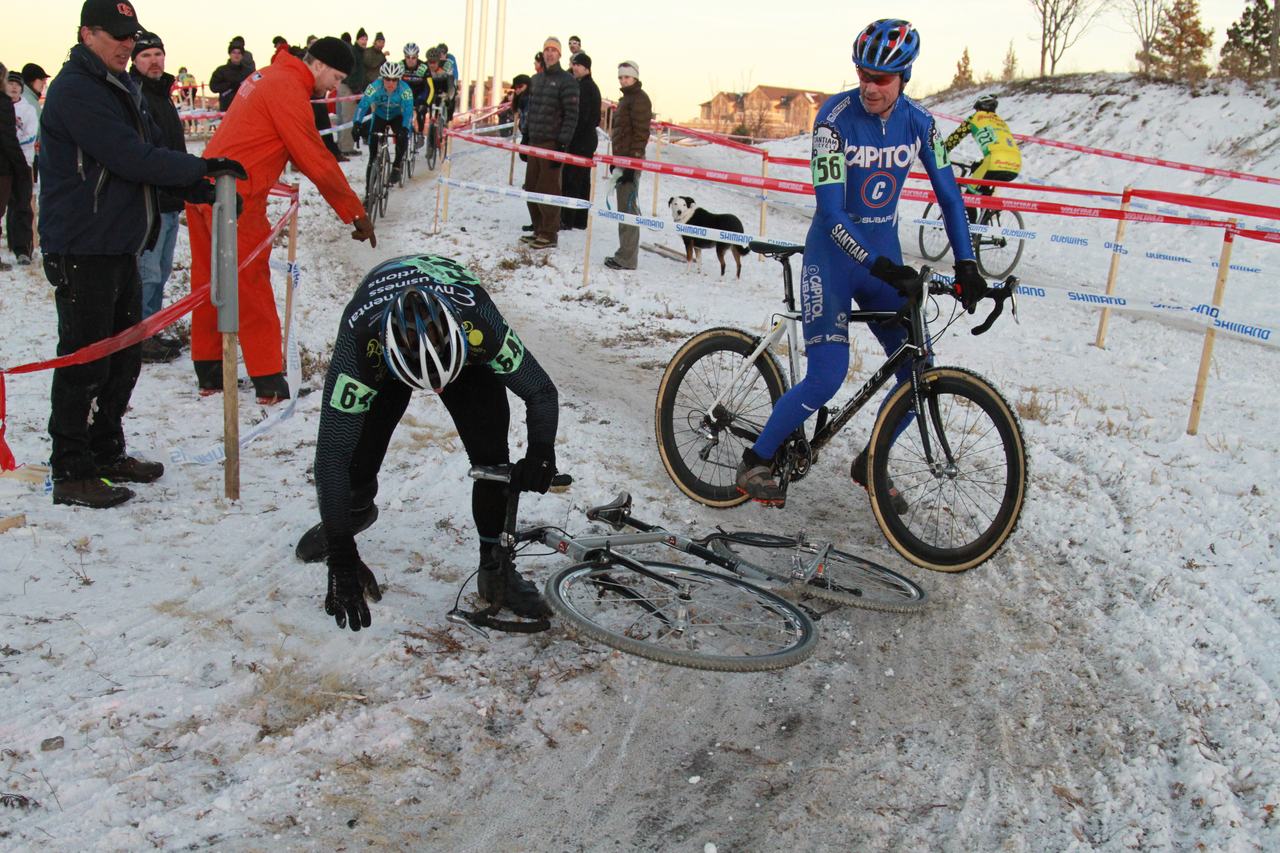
774 250
613 512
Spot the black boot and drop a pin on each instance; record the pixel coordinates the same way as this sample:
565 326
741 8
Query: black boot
314 547
209 376
127 469
91 492
271 389
505 587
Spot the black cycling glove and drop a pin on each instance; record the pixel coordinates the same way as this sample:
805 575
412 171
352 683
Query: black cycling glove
533 473
894 275
349 581
216 167
970 285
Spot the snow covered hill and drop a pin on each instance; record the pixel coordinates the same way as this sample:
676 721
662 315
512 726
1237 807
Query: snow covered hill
1109 680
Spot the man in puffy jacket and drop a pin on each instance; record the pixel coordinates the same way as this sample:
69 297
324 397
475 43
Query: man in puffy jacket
99 169
630 135
270 123
553 117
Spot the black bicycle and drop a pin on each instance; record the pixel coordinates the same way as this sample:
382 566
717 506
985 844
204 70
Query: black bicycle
961 468
435 135
377 188
997 240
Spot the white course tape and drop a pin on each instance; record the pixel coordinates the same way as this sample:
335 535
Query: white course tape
216 453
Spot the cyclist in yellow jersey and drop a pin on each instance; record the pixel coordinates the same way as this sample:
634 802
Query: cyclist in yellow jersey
1001 160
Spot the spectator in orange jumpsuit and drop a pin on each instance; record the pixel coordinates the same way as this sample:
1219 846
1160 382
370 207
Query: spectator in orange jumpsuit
269 123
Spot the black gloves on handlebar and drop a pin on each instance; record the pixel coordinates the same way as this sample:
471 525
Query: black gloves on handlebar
533 473
216 167
896 276
350 580
970 285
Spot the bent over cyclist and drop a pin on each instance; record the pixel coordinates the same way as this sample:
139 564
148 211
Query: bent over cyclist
425 322
1001 159
390 102
864 142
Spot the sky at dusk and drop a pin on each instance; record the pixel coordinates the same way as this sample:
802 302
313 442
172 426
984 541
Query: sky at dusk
686 51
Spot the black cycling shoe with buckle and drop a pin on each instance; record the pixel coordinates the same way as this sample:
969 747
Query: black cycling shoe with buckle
858 471
756 479
508 588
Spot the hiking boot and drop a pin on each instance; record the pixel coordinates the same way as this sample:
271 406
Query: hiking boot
542 243
508 588
314 545
127 469
528 238
209 377
858 471
614 265
756 480
271 389
156 351
24 259
92 492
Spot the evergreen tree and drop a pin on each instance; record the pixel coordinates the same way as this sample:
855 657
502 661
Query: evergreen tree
964 73
1010 69
1182 42
1247 52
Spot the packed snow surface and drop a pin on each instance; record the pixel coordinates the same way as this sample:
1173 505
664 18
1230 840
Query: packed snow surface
1109 680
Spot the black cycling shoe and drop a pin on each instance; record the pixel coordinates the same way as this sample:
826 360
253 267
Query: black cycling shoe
757 480
314 546
508 588
858 471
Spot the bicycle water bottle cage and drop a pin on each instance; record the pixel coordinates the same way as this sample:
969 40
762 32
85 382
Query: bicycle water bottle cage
614 512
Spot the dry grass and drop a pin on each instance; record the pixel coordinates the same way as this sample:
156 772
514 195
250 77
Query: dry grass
1033 408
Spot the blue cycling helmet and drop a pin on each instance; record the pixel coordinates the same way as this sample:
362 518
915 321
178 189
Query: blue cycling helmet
889 46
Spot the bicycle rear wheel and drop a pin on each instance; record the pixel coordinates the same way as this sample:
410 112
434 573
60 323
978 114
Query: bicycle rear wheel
701 448
998 254
843 579
934 242
701 619
962 506
433 148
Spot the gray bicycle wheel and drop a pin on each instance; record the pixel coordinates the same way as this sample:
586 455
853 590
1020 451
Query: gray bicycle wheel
707 621
844 578
998 254
934 242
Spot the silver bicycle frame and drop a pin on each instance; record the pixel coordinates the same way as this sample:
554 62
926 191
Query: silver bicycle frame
786 325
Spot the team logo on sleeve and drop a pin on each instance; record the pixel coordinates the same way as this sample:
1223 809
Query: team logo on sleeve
825 140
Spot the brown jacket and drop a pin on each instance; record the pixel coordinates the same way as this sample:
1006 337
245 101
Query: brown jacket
631 122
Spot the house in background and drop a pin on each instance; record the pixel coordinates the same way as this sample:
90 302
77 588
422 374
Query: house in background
764 112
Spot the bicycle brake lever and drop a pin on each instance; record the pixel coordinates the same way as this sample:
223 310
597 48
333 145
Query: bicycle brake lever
455 616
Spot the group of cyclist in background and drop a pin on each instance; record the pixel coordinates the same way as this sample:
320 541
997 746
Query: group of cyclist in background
412 96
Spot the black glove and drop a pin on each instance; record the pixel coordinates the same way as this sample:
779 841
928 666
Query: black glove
533 473
218 166
524 158
895 275
349 582
628 176
203 192
970 285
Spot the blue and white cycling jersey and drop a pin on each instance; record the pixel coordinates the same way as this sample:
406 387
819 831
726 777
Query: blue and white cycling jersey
386 105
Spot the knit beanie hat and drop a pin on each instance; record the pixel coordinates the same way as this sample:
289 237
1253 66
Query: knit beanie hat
146 41
552 40
581 59
334 53
629 69
379 37
361 34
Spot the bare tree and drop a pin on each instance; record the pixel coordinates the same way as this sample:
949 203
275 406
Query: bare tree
1143 18
1062 23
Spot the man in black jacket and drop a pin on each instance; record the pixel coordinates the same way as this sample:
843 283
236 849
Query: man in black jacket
226 79
12 160
99 168
155 265
577 179
553 117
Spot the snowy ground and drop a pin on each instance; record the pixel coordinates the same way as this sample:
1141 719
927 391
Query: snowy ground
1108 680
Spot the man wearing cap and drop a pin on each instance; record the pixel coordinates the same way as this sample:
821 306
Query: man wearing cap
374 57
226 79
630 136
99 169
270 123
155 264
34 78
553 117
577 179
19 220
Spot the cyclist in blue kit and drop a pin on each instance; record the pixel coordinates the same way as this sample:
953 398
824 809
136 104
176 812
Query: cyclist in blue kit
864 142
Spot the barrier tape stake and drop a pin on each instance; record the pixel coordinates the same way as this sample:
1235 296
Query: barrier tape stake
764 196
657 176
448 172
288 290
227 285
1101 341
511 170
1210 332
591 222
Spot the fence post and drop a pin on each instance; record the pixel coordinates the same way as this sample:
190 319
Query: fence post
288 287
591 222
764 194
1101 341
225 295
657 176
1210 334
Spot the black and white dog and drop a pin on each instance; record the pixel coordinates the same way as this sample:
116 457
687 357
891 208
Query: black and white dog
686 211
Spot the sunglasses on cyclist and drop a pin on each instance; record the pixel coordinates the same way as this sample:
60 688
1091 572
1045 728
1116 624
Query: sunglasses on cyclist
876 79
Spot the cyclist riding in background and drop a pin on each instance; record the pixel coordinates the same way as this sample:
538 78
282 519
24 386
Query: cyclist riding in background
418 77
449 63
1001 159
424 322
864 142
390 102
443 82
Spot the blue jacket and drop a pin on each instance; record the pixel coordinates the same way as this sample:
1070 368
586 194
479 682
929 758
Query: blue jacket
99 166
377 101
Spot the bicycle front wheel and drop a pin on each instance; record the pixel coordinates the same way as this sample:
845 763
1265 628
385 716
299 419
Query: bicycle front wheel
682 615
701 441
433 148
385 195
964 496
843 578
373 193
999 254
934 242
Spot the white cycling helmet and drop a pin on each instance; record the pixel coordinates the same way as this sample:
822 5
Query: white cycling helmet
410 49
423 343
391 70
